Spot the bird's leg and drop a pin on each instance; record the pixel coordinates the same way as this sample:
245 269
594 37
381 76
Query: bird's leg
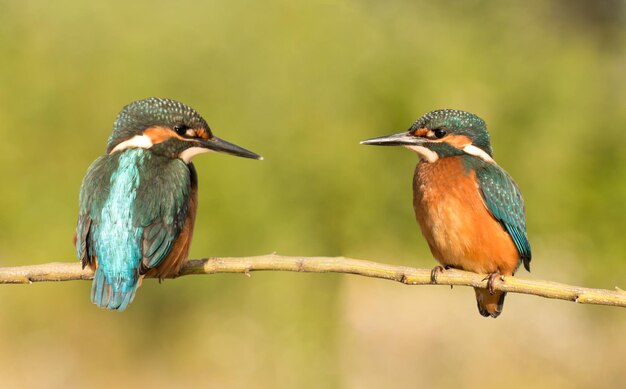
436 270
433 273
491 279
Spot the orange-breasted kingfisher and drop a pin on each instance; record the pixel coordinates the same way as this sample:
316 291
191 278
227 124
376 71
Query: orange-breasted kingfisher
469 209
138 201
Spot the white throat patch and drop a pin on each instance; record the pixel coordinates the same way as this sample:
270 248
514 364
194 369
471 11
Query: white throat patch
137 141
424 153
191 152
477 152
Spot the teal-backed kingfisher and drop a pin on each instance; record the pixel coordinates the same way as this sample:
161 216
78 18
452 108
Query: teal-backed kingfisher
138 201
469 209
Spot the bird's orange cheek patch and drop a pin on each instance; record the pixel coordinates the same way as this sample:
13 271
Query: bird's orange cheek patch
160 134
458 141
421 132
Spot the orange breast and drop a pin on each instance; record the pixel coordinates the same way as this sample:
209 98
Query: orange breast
455 221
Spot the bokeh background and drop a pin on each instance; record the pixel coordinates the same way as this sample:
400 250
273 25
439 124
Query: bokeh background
302 83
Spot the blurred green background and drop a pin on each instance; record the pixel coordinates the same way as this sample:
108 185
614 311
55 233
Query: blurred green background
302 83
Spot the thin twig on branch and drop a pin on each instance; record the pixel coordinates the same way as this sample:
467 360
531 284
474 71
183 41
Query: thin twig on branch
63 271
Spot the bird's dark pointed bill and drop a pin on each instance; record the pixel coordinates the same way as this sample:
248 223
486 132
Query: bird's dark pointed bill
401 139
220 145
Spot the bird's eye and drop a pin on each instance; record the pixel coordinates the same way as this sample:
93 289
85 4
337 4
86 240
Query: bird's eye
439 133
180 129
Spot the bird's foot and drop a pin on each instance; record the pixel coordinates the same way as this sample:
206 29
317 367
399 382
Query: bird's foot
491 279
436 270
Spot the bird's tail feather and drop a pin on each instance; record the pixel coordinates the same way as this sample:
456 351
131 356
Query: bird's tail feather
116 295
489 304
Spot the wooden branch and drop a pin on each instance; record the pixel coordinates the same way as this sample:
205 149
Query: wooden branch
63 271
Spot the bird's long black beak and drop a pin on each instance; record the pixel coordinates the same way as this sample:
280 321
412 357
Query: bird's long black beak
400 139
222 146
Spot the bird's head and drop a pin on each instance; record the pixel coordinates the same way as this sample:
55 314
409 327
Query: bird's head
442 133
167 127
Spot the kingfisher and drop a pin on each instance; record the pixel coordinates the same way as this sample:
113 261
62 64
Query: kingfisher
137 203
470 211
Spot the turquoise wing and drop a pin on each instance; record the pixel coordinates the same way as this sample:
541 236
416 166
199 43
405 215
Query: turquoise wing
504 200
161 210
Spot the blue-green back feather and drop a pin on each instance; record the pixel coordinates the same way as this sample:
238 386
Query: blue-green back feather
504 200
113 239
